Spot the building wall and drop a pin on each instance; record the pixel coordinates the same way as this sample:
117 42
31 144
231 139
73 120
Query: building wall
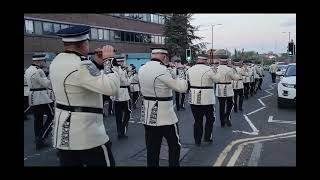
44 43
104 21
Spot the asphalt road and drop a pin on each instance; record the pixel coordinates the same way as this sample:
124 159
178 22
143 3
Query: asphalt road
251 141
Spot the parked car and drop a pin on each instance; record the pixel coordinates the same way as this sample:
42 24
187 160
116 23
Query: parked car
281 70
287 87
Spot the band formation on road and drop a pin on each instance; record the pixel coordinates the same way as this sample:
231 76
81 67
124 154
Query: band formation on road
73 95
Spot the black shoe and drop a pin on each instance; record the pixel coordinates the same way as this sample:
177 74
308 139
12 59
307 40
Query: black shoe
229 124
222 125
183 108
124 136
208 140
41 144
198 144
240 109
235 110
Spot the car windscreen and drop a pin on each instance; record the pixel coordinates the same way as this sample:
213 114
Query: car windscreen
291 71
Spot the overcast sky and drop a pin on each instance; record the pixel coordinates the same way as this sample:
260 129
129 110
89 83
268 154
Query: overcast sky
257 32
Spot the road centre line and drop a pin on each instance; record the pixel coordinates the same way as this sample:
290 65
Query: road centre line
238 151
227 149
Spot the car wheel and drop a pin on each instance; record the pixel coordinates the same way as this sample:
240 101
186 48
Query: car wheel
280 104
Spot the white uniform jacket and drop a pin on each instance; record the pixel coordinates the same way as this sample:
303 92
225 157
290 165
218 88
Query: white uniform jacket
224 86
78 85
273 68
134 83
238 84
38 85
202 78
156 85
123 93
246 79
26 87
256 71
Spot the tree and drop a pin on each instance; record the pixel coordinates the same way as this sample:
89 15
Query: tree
179 35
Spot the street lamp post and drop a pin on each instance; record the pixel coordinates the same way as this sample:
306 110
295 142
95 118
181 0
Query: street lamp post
212 39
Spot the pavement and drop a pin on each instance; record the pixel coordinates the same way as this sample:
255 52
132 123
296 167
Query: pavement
261 135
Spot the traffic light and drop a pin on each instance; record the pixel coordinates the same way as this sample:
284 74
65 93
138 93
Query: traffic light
188 55
290 48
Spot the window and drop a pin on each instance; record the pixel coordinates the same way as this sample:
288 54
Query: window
94 33
100 34
156 39
160 40
117 35
126 14
152 39
64 26
38 27
129 37
136 16
56 27
148 17
106 35
29 26
111 35
155 18
47 28
291 71
138 37
160 19
146 38
140 16
123 36
163 40
144 17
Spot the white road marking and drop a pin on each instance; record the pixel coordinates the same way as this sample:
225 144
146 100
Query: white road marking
255 155
228 148
270 120
236 154
261 102
255 131
37 154
256 111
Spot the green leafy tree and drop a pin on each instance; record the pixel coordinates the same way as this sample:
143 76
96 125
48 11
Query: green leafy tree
179 35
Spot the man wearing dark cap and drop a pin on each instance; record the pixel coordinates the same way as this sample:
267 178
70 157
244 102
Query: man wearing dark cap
224 91
157 112
201 78
238 86
122 100
79 133
39 99
178 70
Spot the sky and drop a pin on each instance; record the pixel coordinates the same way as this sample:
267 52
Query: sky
253 32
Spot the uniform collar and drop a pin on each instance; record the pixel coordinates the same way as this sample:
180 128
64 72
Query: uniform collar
158 60
82 57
